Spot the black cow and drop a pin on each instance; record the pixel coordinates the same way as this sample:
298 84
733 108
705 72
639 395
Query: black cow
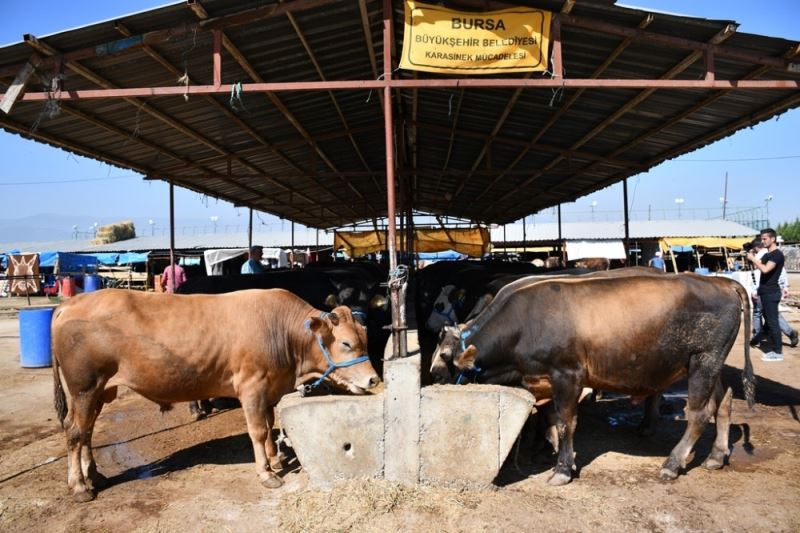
634 335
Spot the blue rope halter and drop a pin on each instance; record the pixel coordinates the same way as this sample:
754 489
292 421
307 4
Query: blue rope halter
332 365
466 373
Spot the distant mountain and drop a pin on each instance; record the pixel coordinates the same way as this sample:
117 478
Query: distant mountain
55 227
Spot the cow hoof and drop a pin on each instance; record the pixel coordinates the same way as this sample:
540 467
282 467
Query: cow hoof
272 481
199 416
276 463
713 464
558 479
83 496
667 475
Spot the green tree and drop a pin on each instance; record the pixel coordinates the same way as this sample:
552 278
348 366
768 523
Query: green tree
790 231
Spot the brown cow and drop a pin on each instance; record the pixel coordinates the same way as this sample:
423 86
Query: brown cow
593 263
255 345
634 335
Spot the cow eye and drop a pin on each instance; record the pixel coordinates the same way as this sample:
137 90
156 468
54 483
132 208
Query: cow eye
347 345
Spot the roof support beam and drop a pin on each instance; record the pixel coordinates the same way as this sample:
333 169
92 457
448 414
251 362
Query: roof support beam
568 104
511 83
172 69
90 75
335 103
762 114
630 104
17 87
202 14
742 56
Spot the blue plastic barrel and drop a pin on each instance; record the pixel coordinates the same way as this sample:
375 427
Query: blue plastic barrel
34 337
92 282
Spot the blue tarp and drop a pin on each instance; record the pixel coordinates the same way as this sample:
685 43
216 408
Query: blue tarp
67 262
130 258
107 259
449 255
4 257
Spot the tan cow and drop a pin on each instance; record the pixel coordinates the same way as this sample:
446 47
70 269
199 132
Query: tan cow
255 345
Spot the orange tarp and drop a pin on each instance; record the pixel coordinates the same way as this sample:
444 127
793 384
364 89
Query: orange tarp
474 242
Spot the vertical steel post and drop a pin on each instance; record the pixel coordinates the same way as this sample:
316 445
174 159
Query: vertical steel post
561 250
627 221
172 235
398 328
250 231
291 255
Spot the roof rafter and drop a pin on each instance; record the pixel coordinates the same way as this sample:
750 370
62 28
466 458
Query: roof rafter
646 21
685 63
760 71
92 76
335 102
232 49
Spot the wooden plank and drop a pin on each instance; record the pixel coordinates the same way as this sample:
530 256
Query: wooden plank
17 88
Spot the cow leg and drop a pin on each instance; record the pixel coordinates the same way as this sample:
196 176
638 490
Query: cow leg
200 409
566 391
716 458
77 426
275 458
259 427
701 389
651 412
94 479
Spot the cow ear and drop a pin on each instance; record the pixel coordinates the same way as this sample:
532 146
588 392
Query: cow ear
466 359
334 318
330 301
313 324
379 300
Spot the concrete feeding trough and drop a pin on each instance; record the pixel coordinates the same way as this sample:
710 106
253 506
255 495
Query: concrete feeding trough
447 434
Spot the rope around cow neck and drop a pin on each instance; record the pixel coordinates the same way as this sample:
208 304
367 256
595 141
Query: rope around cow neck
332 365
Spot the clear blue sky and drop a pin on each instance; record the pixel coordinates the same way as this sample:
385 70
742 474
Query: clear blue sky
697 177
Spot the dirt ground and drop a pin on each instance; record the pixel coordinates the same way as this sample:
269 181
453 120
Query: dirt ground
170 473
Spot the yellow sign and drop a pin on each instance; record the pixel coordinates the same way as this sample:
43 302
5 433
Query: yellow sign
437 39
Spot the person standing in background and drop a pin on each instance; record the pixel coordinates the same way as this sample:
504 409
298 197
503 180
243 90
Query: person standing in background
173 272
253 264
658 262
769 292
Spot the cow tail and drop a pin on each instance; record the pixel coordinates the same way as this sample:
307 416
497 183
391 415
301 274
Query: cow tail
748 378
59 398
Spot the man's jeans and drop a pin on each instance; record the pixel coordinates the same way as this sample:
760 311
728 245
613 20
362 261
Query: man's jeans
758 314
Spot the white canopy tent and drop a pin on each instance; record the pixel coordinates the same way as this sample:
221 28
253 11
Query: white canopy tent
272 258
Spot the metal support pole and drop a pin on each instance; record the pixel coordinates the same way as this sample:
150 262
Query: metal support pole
291 255
250 230
627 221
172 235
561 240
524 238
398 325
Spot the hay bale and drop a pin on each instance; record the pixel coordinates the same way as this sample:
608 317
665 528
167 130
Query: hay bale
119 231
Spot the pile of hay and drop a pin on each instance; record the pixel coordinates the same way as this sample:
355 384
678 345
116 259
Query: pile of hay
119 231
362 504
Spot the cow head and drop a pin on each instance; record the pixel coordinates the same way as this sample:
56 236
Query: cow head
340 349
451 357
444 308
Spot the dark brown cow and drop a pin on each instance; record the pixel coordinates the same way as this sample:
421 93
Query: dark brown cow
593 263
634 335
255 345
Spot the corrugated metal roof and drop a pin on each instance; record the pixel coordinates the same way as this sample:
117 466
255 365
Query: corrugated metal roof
639 229
299 157
273 239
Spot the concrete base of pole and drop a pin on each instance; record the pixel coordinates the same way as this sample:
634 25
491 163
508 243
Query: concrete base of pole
446 434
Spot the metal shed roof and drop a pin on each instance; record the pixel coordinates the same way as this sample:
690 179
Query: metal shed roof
318 158
639 229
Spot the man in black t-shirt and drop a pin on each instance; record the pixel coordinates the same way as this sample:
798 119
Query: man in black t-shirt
769 292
